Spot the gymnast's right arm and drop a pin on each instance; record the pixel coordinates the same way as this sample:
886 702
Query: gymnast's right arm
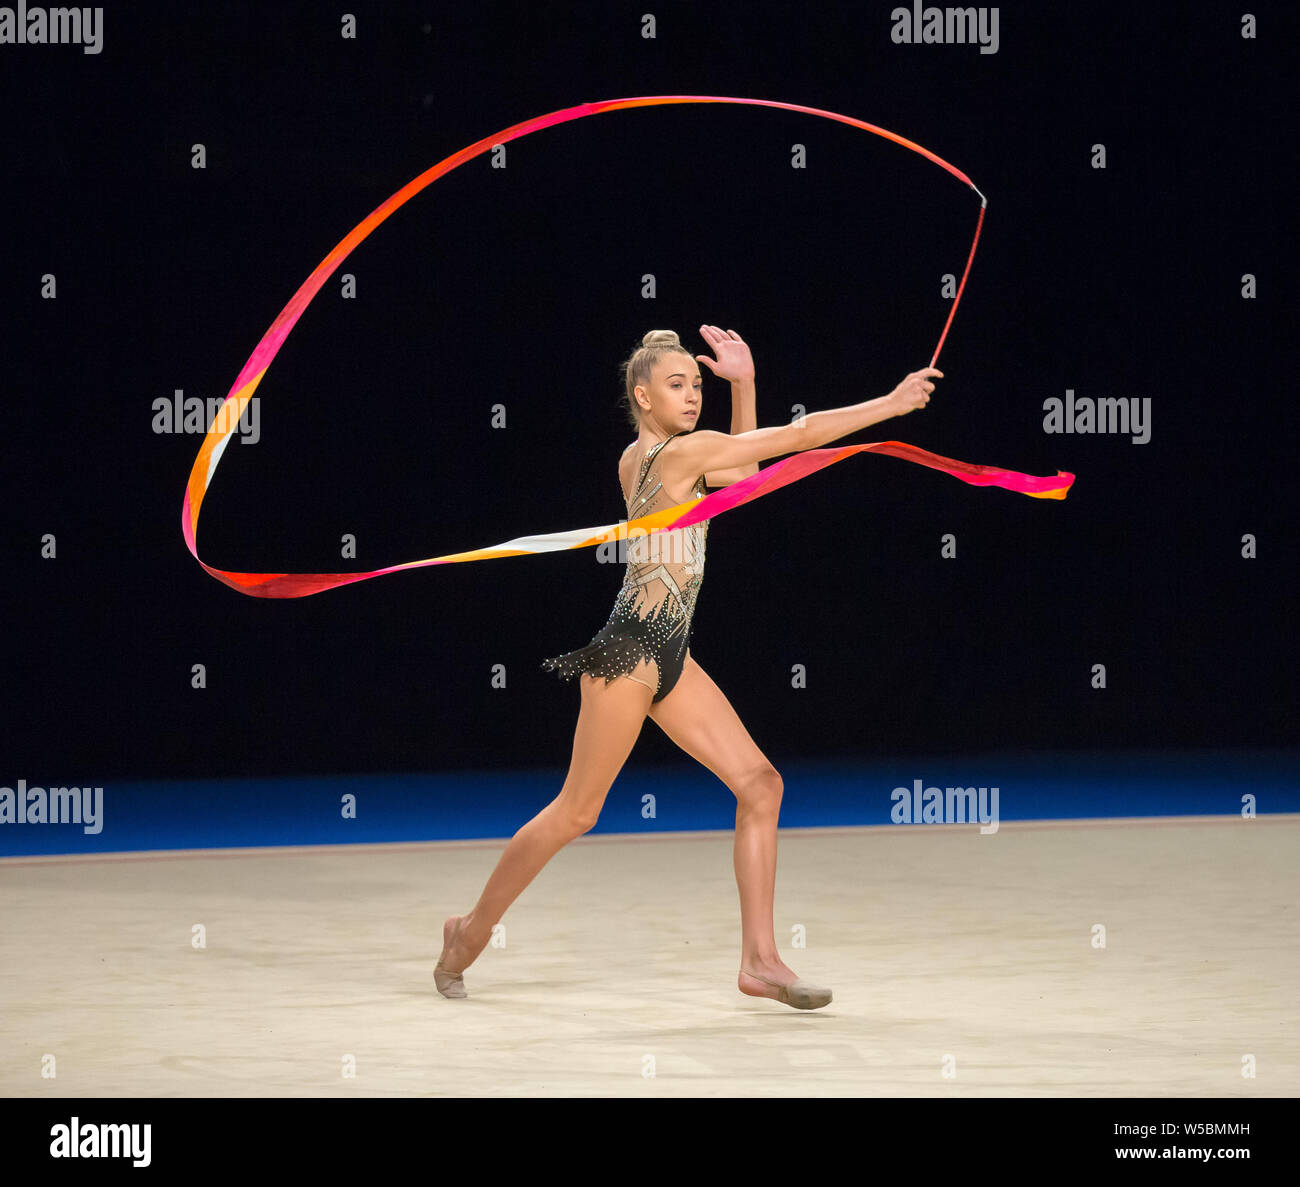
704 450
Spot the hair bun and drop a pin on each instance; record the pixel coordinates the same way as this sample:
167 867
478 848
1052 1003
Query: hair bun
661 338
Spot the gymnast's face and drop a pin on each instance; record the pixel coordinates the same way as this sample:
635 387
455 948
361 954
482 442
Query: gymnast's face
676 393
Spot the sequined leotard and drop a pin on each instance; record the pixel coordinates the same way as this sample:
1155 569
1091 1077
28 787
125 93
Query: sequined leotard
651 618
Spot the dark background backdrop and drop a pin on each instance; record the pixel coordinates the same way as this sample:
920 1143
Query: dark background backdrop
522 286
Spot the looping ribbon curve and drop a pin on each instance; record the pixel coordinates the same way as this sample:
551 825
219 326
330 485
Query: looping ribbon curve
773 477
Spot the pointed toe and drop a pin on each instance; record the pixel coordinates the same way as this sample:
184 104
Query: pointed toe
449 984
803 996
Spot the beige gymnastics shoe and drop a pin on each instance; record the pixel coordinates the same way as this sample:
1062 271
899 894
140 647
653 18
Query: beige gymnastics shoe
799 993
449 984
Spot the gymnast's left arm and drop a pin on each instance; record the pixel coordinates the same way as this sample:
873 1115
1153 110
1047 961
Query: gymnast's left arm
736 364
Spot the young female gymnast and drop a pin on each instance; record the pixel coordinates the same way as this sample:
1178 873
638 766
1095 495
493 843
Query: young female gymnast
639 664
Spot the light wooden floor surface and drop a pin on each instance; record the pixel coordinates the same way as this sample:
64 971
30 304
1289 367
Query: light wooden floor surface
948 952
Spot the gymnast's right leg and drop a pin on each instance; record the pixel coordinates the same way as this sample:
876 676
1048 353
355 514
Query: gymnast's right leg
609 724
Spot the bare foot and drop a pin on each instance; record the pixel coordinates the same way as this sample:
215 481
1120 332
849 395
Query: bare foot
456 955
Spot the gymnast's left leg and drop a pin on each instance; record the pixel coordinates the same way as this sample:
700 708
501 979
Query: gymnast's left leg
699 718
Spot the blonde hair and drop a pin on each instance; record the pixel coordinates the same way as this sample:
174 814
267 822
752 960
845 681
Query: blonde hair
636 369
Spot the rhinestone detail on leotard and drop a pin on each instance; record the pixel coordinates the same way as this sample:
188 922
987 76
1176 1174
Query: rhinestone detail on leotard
655 607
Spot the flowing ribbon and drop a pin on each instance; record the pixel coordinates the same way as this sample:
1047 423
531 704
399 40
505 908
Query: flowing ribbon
779 474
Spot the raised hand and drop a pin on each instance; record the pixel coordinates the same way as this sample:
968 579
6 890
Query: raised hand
734 361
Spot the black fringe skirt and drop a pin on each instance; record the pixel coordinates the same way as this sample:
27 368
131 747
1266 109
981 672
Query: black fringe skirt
621 645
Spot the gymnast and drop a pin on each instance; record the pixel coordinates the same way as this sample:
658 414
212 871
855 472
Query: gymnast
639 664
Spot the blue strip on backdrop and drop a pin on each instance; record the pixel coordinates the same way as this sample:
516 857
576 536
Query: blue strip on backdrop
314 810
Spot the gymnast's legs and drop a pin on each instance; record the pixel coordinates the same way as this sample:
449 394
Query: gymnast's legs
698 717
609 724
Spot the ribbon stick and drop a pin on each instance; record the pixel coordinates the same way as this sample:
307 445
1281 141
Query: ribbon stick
779 474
